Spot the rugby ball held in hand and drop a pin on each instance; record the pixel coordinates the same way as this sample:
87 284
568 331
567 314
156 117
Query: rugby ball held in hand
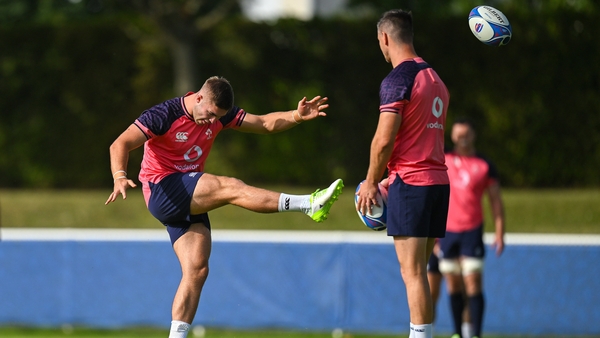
377 217
490 26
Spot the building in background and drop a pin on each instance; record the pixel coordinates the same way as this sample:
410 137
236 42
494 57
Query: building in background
267 10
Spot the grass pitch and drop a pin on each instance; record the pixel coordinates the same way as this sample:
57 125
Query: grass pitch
527 211
209 333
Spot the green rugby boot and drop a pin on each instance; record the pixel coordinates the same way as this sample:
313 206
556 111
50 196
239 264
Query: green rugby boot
322 200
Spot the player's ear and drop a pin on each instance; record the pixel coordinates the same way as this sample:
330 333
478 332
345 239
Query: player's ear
384 38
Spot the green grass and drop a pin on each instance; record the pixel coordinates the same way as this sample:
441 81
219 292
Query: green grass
535 211
210 333
551 211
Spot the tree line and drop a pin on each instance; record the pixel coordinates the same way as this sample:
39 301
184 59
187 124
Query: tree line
67 91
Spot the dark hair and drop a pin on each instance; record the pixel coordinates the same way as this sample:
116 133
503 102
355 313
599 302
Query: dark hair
220 92
464 120
398 24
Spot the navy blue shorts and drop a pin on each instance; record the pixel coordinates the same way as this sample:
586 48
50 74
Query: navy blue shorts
417 211
170 203
434 264
468 243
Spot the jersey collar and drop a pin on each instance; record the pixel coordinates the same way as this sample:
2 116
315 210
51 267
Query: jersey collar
183 105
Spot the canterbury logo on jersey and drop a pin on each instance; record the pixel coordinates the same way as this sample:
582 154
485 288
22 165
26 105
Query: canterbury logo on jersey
181 136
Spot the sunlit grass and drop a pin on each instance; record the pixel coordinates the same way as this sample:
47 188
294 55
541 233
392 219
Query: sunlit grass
551 211
13 332
535 211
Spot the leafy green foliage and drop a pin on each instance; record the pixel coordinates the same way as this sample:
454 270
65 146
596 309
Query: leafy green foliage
62 93
458 8
69 89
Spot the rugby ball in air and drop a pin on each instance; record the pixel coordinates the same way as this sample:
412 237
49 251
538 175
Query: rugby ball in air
375 219
490 26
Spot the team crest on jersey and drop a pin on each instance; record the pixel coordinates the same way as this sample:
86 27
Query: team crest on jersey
181 136
464 178
208 134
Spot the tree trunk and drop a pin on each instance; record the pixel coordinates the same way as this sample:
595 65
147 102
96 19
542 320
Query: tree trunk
184 65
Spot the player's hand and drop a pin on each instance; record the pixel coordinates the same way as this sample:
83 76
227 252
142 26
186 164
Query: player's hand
498 245
385 182
367 197
308 110
436 249
120 188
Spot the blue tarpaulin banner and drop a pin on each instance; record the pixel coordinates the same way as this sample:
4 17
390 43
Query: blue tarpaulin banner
312 281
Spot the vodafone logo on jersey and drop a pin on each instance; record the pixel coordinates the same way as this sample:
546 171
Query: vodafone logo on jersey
193 154
181 136
438 107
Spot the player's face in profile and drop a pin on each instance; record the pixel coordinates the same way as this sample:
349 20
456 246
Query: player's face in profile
463 135
206 112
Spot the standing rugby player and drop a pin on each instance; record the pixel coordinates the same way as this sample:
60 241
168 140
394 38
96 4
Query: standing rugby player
409 141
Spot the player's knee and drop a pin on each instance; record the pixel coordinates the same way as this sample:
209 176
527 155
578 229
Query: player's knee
450 266
198 273
471 265
231 183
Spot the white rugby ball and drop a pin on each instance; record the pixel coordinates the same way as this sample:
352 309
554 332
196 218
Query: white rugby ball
490 26
376 218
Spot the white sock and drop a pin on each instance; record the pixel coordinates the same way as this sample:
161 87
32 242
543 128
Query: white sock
179 329
294 203
421 331
467 330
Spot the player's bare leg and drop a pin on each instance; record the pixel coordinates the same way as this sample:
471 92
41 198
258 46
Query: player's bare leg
213 192
435 282
193 251
413 254
473 283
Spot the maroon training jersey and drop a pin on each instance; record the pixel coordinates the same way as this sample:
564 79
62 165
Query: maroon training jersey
470 176
175 142
416 92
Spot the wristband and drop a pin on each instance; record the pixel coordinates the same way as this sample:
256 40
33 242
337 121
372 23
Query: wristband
119 171
294 117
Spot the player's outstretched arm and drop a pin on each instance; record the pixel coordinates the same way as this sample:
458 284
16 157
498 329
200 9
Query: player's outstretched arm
280 121
497 208
308 110
130 139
